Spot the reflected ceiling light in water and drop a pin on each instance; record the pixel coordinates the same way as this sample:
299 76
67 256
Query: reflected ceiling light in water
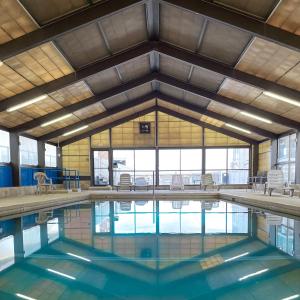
236 257
79 257
61 274
291 297
24 297
253 274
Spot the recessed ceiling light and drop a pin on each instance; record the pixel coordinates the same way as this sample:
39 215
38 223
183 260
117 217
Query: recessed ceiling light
75 130
255 117
26 103
238 128
282 98
56 120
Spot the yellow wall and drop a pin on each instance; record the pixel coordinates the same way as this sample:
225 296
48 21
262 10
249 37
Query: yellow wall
100 140
264 156
175 132
213 138
76 156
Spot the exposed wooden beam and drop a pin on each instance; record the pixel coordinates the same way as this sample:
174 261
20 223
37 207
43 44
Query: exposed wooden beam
79 75
107 126
207 125
217 116
84 103
228 101
152 17
54 29
241 21
98 117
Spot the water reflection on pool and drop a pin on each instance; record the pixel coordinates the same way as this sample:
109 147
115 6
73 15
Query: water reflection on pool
150 250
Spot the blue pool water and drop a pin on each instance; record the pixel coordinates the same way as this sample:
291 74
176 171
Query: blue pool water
150 250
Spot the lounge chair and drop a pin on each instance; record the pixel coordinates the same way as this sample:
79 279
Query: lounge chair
275 181
207 180
42 182
141 182
141 202
125 205
177 183
125 182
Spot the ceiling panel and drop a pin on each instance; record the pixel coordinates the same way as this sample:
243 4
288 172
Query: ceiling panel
211 121
256 8
40 65
272 62
125 29
171 91
139 91
89 111
13 119
72 94
135 68
224 43
174 67
14 21
51 9
196 100
83 46
206 79
114 101
103 81
180 27
287 16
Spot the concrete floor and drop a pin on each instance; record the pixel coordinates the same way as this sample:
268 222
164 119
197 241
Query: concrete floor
277 203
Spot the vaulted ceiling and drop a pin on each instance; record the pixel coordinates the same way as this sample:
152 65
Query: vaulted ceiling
98 63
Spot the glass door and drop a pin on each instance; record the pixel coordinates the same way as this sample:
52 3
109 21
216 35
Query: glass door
101 167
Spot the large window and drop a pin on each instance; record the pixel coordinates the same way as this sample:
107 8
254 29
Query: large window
28 151
187 162
228 165
140 164
101 165
4 147
31 240
287 156
50 156
285 236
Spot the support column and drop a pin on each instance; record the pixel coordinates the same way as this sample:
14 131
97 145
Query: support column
254 157
59 157
44 235
15 158
297 180
18 240
274 153
156 150
41 154
110 162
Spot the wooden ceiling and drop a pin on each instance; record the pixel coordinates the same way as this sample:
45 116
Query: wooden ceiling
98 59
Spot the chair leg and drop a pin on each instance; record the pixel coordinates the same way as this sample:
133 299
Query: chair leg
270 192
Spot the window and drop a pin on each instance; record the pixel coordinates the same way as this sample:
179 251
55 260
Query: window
101 165
285 236
228 165
102 217
187 162
4 147
140 164
287 156
7 253
50 156
53 230
28 151
31 240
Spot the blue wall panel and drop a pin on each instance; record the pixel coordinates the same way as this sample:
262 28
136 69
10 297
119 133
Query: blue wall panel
5 176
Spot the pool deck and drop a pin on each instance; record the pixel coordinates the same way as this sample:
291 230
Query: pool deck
277 203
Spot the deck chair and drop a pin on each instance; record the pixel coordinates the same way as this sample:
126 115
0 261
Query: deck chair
207 180
125 182
141 202
275 181
42 182
141 182
177 183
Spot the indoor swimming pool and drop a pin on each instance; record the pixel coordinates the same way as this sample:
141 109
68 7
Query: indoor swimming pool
150 249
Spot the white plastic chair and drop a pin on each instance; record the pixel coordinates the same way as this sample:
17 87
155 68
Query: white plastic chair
42 181
207 180
177 183
141 182
275 181
125 182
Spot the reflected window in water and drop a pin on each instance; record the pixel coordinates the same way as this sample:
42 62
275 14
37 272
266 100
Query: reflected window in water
7 255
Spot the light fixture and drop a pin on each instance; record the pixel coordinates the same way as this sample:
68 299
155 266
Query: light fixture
56 120
291 297
61 274
1 63
237 128
75 130
282 98
26 103
24 297
255 117
253 274
236 257
78 256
